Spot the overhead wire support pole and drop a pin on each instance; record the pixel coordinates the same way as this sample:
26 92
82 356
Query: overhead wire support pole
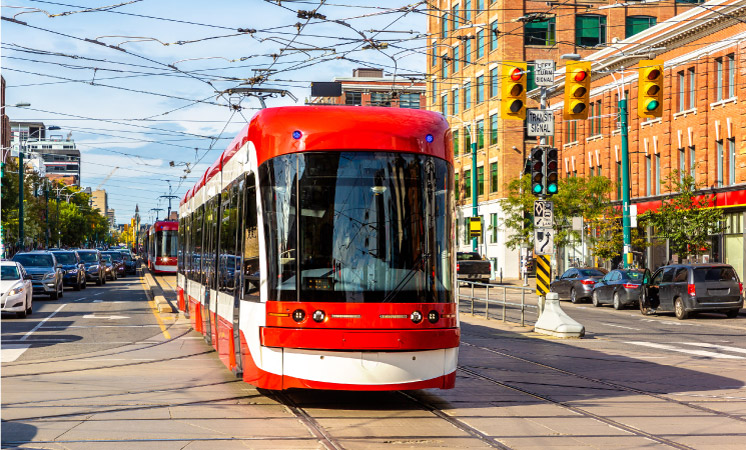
626 222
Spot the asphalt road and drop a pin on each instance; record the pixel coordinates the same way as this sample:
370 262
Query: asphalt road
100 369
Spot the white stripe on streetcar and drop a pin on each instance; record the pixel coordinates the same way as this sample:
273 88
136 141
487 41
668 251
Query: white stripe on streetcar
25 336
717 347
682 350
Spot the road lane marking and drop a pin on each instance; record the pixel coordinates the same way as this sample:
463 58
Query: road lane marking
94 316
25 336
155 310
683 350
717 347
620 326
10 353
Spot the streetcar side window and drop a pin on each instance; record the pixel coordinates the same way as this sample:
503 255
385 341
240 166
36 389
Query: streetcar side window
250 242
211 235
180 253
197 223
228 228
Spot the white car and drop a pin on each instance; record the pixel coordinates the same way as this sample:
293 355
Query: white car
16 290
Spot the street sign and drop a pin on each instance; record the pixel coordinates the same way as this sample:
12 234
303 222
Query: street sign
543 241
475 226
543 214
543 275
544 72
539 122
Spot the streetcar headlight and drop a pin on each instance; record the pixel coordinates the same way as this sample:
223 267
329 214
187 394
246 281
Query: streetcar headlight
433 316
299 315
318 316
416 317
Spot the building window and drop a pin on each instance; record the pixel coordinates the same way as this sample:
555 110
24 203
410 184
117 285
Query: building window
658 174
731 75
410 100
493 228
682 164
480 44
493 129
467 52
692 161
647 171
731 161
467 96
434 57
467 138
598 118
571 131
455 59
467 183
493 82
719 78
618 180
682 92
467 10
540 33
719 145
480 89
454 106
444 25
480 180
493 177
480 7
692 88
590 30
434 91
480 134
380 99
636 24
456 17
594 118
493 36
455 143
353 98
443 66
444 105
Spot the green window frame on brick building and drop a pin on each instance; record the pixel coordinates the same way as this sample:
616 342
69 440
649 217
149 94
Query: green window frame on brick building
455 143
480 44
467 52
480 7
467 10
493 228
444 25
493 82
480 89
456 59
467 140
467 183
480 180
493 36
467 96
443 67
480 134
493 177
530 79
455 17
444 105
454 108
493 129
542 33
590 30
636 24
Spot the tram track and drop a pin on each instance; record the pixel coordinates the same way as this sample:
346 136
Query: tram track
329 442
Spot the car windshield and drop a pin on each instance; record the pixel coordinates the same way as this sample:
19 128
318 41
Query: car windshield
9 273
126 256
88 257
106 258
116 256
702 274
591 273
468 257
633 275
34 260
65 258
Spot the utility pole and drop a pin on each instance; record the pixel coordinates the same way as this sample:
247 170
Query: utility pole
474 200
627 233
21 174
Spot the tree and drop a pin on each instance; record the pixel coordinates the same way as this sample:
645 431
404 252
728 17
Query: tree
686 219
608 239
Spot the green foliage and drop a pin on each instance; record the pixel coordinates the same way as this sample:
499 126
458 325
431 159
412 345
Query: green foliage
686 219
608 241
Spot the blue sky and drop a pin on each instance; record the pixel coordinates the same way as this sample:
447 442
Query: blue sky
129 109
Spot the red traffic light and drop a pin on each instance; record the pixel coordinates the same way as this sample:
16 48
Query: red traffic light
654 74
516 74
580 75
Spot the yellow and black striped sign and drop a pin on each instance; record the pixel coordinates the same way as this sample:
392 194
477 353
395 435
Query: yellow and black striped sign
543 274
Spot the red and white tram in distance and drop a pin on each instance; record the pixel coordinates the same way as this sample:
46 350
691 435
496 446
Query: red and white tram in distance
162 246
318 250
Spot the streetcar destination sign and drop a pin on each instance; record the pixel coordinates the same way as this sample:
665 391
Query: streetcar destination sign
544 72
539 122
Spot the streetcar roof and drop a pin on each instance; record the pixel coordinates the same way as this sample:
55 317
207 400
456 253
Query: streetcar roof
293 129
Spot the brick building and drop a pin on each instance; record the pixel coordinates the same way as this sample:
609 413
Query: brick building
369 87
469 40
702 131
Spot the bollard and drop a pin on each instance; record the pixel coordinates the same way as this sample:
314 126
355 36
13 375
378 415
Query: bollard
555 322
501 275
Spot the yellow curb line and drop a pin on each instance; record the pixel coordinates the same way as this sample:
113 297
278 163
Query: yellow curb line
155 309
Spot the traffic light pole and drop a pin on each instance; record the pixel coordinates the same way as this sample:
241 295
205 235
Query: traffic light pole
21 175
626 223
474 200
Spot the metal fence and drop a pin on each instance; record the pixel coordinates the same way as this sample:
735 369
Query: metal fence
484 298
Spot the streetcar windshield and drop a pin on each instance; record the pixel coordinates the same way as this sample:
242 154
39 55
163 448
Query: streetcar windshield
168 243
372 227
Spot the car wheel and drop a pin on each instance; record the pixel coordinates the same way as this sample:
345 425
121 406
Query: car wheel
678 307
594 299
644 308
574 296
732 313
617 302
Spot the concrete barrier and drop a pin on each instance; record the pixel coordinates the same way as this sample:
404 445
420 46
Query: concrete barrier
155 292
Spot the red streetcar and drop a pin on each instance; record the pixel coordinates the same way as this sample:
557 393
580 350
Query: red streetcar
161 246
318 250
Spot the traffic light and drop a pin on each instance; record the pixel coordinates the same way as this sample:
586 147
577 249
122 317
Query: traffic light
650 89
577 90
513 99
537 171
552 176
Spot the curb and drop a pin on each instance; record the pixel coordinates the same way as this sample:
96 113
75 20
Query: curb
156 293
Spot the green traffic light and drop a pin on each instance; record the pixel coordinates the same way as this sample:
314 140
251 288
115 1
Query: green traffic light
652 105
552 188
537 189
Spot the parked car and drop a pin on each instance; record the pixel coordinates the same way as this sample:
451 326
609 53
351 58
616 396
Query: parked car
73 269
46 273
471 266
620 288
690 288
118 261
95 270
111 269
576 284
16 289
130 264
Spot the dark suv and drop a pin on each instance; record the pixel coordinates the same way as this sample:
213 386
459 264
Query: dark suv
688 288
73 269
95 270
